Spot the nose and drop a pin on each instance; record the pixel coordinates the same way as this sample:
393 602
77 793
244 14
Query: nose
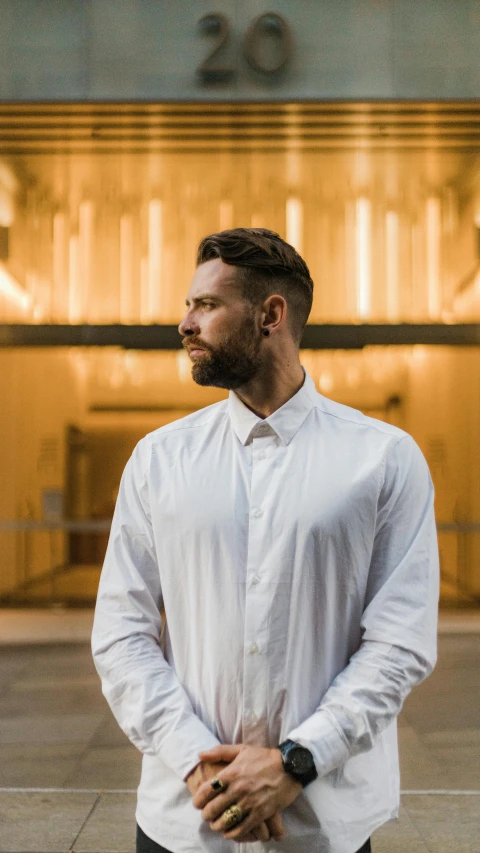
188 326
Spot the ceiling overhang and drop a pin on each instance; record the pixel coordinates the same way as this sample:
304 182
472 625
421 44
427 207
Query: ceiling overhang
113 128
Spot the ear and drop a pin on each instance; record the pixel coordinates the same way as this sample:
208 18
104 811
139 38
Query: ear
274 313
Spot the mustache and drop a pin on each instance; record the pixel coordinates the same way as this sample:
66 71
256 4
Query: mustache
192 343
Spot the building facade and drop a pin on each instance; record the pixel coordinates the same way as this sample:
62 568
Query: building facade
129 129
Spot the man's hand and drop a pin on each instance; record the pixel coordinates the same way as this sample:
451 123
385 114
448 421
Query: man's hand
207 770
256 781
203 772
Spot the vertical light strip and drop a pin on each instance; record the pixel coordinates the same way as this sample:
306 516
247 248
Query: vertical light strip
74 308
433 217
154 258
416 272
144 291
59 264
226 214
126 268
294 223
392 263
342 303
33 286
363 256
85 248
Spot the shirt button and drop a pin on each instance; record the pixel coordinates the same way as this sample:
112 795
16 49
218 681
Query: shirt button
262 428
256 579
253 650
262 455
258 513
252 717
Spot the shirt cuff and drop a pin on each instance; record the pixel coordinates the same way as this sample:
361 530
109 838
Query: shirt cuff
180 748
320 734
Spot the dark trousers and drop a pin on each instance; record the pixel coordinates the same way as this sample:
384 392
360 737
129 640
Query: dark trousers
146 845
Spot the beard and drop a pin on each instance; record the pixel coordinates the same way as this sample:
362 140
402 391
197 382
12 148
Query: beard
230 364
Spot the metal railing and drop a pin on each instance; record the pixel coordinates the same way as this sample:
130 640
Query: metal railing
44 561
41 561
459 545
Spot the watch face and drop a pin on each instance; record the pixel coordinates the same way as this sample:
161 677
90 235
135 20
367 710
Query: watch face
300 760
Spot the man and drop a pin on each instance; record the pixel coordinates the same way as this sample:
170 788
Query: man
291 541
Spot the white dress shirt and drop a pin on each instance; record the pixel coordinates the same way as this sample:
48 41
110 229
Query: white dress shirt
296 560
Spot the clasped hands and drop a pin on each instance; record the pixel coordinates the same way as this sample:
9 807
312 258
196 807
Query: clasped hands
255 780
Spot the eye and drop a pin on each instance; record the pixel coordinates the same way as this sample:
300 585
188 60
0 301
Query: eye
208 304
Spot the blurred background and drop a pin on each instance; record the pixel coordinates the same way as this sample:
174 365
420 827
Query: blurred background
130 129
99 231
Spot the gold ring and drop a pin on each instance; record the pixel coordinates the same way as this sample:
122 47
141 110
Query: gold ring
232 816
218 786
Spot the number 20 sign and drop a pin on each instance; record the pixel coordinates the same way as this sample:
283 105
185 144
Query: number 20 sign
266 46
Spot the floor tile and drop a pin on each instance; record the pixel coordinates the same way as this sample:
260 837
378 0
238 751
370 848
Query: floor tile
77 728
109 733
33 766
5 683
419 769
57 731
398 836
454 680
53 700
106 767
54 680
111 827
447 824
461 766
12 665
42 823
69 659
452 710
453 737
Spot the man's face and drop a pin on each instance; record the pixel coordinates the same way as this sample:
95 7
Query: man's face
219 330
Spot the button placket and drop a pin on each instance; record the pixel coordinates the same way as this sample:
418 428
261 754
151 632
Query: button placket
257 603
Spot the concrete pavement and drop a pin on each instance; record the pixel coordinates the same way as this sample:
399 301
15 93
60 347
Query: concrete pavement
58 736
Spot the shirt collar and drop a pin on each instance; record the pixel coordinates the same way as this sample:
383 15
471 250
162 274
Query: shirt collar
284 422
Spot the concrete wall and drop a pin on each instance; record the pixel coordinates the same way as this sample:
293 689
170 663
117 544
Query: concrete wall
87 50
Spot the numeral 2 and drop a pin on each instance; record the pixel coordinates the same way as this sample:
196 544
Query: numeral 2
269 24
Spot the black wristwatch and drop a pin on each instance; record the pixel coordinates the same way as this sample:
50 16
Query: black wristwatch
298 762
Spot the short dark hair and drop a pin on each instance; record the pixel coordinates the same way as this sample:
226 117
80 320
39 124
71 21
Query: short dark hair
267 265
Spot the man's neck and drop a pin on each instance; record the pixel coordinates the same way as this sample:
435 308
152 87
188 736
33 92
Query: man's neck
272 388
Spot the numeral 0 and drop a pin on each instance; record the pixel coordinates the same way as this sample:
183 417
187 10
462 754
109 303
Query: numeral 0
269 24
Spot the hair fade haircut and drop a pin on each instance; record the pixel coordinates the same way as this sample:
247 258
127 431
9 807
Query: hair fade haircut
267 265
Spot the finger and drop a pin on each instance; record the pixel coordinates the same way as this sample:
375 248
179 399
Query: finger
203 795
214 809
240 832
254 835
205 792
261 832
223 752
275 826
218 824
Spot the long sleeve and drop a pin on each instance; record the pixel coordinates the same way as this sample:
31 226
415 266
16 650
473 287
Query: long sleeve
140 686
398 648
